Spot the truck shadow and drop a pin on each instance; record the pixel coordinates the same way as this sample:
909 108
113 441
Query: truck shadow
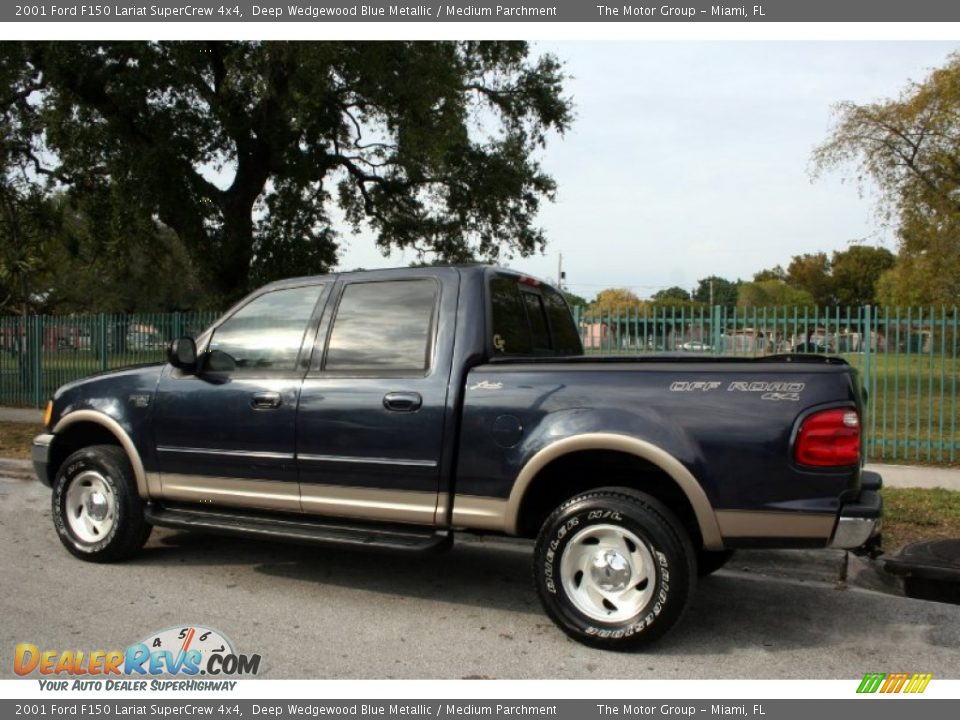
471 573
730 610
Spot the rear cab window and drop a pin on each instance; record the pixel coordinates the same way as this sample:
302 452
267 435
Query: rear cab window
529 319
384 328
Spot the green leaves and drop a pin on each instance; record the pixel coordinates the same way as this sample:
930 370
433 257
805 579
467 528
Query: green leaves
242 149
910 148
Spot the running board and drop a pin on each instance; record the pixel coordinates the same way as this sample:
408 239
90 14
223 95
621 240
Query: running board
287 528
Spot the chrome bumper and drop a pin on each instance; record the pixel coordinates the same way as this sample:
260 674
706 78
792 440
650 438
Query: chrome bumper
859 522
852 533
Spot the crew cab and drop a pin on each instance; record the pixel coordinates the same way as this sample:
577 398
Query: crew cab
394 409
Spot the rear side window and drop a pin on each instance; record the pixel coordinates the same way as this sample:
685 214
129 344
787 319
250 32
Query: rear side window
384 327
530 320
511 334
566 339
539 335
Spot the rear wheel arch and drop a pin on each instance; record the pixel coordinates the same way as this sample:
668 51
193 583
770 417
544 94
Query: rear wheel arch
85 428
651 469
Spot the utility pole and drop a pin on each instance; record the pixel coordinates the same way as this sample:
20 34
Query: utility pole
711 292
560 272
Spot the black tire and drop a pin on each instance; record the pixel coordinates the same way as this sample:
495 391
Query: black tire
660 563
94 481
709 561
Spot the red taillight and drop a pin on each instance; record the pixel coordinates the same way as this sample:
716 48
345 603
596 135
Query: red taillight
829 439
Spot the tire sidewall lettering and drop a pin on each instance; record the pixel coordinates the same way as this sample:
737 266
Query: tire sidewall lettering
553 552
64 479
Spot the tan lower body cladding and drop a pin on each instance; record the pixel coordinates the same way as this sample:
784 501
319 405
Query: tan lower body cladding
406 506
485 513
322 500
763 524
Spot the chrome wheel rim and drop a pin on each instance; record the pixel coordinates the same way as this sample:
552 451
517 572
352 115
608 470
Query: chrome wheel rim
91 507
608 573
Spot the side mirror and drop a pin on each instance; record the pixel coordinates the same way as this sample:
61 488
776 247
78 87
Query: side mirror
182 354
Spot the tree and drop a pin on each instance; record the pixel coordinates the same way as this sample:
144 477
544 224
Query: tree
615 300
98 266
910 148
671 294
574 300
856 271
811 272
772 293
26 221
25 217
244 149
724 291
774 273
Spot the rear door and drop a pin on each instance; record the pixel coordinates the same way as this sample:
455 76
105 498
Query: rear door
370 430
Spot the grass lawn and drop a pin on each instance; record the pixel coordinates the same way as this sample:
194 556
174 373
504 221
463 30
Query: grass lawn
913 409
15 439
912 514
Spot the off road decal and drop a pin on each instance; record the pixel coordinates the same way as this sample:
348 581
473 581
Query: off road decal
776 391
694 386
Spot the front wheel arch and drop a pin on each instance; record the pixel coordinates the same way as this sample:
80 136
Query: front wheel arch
85 428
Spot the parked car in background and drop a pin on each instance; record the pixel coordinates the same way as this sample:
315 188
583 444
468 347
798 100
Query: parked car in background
144 337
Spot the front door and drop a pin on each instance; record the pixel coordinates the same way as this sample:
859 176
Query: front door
374 406
226 435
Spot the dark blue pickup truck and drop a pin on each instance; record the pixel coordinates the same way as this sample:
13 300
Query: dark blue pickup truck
390 409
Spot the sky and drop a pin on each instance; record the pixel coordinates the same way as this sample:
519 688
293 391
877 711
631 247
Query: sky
690 159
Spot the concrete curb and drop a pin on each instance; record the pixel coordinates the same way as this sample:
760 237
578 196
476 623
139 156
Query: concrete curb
825 565
917 476
17 469
21 415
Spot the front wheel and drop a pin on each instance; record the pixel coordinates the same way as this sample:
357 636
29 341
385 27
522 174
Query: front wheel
614 568
96 509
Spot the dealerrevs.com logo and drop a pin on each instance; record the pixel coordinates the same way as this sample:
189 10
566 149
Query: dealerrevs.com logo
185 652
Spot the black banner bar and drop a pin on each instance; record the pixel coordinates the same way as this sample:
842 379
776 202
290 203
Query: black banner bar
482 11
853 709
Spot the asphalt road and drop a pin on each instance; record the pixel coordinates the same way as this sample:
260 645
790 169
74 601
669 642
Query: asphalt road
471 613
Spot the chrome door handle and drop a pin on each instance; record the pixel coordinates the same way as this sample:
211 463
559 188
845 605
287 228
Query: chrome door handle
266 401
402 401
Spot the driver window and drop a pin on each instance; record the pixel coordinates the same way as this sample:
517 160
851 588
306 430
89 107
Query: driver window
266 333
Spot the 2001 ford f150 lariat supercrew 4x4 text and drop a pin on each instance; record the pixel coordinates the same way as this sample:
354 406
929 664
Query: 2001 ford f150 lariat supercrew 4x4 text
392 408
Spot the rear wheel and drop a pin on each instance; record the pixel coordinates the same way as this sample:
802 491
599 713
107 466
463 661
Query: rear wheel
614 568
97 512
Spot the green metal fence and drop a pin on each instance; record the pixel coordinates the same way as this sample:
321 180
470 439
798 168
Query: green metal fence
38 353
908 356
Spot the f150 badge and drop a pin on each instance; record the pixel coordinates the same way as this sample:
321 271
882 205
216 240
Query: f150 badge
789 391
